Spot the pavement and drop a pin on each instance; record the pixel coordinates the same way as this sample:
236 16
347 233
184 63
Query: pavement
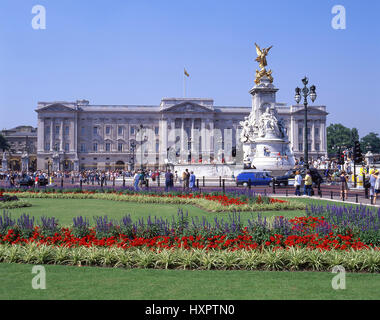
328 192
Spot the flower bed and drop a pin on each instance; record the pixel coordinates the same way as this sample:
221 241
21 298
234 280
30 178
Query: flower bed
11 202
208 202
194 259
281 233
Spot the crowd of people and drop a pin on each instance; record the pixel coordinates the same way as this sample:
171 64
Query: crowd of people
102 177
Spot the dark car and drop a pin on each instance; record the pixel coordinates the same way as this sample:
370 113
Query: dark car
42 181
26 181
289 175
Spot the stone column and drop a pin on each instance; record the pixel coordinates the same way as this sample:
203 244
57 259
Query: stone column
61 145
51 134
211 140
323 136
203 150
183 142
163 134
72 136
193 141
40 135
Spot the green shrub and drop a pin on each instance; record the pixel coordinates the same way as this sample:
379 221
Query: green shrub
194 259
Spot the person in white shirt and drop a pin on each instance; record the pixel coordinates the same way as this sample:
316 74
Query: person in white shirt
377 186
297 183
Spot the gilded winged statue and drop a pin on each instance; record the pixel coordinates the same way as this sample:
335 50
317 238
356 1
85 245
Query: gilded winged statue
261 56
262 60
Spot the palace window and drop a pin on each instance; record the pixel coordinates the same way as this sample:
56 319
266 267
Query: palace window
156 130
67 130
316 133
95 130
82 147
47 146
317 147
67 147
120 130
120 147
132 130
47 130
300 131
95 147
108 130
82 130
56 129
108 147
300 147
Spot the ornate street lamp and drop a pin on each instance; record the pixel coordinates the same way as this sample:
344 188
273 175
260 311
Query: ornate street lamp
141 145
306 92
132 149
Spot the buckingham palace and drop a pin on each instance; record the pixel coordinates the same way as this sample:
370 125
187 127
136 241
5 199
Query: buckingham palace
80 135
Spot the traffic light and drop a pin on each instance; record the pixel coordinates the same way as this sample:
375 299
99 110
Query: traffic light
341 158
233 152
358 157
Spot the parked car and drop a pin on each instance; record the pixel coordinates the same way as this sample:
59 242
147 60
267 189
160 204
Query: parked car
26 181
256 178
42 181
288 177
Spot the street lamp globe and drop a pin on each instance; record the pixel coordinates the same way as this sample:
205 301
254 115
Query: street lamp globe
297 97
313 94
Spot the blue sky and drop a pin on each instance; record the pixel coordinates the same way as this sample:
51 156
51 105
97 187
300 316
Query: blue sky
134 52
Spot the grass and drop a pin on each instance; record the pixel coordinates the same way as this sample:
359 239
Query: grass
65 210
64 282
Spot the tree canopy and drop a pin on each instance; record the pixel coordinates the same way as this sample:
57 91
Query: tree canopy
4 145
340 136
370 142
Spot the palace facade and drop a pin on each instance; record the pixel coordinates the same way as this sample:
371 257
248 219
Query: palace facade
79 135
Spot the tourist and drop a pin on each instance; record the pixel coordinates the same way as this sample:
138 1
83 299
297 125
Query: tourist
168 180
141 178
297 183
344 185
185 179
377 186
372 181
308 183
136 180
192 180
176 176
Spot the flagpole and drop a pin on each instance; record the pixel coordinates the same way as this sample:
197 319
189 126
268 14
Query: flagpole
184 85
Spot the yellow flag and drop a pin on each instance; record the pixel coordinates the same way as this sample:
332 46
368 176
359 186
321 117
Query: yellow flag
186 74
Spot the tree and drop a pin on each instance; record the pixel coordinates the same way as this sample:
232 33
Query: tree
340 136
373 141
4 145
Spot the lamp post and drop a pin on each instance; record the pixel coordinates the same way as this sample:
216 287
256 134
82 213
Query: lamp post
141 145
306 92
167 158
132 149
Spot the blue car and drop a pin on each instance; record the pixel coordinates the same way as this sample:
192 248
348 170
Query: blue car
258 178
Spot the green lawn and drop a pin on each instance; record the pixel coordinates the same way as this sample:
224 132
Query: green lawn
64 282
66 209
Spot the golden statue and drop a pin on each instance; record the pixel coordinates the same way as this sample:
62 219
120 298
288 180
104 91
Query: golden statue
262 60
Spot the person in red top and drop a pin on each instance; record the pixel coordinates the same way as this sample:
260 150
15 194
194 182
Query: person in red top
36 181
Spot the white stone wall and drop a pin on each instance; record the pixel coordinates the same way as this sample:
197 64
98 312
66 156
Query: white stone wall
212 131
